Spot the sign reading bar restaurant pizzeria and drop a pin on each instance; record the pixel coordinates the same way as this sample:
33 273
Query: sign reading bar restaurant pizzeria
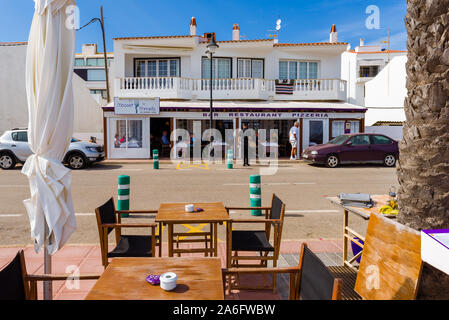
137 106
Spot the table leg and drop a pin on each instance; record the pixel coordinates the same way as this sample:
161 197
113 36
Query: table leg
215 240
345 239
170 240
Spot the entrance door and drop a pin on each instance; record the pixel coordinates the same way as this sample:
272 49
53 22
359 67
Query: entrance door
315 132
129 138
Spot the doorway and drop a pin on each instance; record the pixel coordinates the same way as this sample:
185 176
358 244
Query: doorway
160 131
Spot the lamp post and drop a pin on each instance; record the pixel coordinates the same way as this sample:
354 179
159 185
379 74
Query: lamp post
101 20
212 46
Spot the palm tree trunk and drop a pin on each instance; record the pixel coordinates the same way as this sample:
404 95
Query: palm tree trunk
423 169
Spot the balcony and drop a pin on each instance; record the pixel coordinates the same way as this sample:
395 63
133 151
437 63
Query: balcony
229 89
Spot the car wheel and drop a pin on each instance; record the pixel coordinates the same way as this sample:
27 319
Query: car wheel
390 160
7 161
76 161
332 161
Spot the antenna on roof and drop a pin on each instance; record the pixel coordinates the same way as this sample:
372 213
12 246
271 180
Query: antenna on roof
278 28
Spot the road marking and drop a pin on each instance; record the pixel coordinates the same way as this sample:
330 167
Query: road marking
272 184
304 183
312 211
84 214
15 186
10 215
183 166
130 169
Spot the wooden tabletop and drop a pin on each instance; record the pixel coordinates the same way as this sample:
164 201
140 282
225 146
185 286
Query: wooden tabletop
175 213
124 279
379 202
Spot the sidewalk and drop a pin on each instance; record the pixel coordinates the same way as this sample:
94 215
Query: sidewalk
88 259
168 161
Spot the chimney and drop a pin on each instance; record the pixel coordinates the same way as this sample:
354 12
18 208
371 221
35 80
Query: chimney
193 26
362 42
235 32
334 35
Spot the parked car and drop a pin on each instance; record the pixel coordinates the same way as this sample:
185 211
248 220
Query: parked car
355 148
14 149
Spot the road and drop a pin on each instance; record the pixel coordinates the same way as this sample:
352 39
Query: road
302 187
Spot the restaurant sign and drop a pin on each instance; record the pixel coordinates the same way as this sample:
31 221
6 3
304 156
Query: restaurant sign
269 115
137 106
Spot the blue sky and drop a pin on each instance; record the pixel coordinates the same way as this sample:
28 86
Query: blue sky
303 20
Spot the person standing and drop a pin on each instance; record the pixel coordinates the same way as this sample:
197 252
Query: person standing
294 136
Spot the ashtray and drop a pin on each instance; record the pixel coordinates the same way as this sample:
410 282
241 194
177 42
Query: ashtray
153 280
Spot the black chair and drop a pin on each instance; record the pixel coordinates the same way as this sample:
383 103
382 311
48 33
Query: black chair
108 219
17 285
257 240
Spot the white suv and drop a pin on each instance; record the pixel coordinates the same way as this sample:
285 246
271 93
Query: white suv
14 149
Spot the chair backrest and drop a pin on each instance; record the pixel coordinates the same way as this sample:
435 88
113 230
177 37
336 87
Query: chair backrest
391 263
315 282
12 282
106 214
277 211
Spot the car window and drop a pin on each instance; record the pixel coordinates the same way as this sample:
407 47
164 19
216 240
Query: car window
360 140
381 140
21 136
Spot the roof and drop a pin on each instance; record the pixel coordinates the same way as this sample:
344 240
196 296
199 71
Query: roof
310 44
255 40
257 106
384 51
11 44
156 37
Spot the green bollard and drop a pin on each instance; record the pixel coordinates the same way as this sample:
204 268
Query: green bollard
155 159
123 194
255 194
230 160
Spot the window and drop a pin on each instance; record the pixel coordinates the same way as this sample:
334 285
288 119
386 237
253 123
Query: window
95 62
21 136
102 92
96 75
369 71
360 141
128 134
381 140
157 68
221 68
338 128
79 62
250 68
292 70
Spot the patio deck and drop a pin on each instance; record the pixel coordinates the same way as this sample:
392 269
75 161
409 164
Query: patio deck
88 259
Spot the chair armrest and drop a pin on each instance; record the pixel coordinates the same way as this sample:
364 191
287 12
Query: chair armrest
255 221
54 277
247 208
260 270
136 211
121 225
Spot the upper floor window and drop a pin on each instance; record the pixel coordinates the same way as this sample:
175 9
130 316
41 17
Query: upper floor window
221 68
292 70
368 71
79 62
96 75
250 68
157 68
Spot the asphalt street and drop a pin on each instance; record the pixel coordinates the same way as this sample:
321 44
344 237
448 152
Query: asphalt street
301 186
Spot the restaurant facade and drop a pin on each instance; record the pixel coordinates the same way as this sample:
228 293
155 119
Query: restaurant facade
162 84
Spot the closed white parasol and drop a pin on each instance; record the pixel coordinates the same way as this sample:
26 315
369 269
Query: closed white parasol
49 70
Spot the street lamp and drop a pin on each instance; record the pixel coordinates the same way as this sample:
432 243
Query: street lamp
212 47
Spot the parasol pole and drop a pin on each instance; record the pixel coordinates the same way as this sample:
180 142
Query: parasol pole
48 287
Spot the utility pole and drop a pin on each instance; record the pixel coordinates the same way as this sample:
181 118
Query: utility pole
106 67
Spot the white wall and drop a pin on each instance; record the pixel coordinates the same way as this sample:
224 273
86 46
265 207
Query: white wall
13 100
394 132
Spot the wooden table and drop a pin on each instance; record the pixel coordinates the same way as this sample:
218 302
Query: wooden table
349 233
124 279
171 214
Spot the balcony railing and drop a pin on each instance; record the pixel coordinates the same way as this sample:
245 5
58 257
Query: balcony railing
229 89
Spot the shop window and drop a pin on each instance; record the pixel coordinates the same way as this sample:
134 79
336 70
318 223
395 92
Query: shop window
316 132
128 134
338 128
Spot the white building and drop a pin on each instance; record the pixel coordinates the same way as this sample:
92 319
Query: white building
377 80
13 99
89 66
267 84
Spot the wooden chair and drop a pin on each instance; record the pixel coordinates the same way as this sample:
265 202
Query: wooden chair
256 240
109 219
391 264
17 284
311 280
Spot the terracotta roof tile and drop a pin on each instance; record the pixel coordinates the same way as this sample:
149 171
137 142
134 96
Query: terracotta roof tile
6 44
255 40
310 44
157 37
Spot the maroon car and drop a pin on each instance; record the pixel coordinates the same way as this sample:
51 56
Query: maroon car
355 148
